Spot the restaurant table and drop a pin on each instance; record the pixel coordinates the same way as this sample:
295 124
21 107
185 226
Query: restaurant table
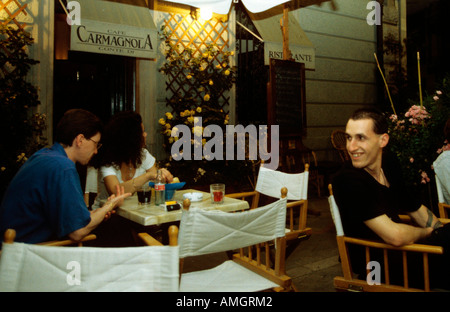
150 214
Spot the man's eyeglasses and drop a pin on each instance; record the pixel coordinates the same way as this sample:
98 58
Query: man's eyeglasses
98 144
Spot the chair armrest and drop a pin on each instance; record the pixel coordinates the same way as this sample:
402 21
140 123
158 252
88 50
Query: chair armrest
405 218
296 203
149 240
67 242
412 247
254 195
241 195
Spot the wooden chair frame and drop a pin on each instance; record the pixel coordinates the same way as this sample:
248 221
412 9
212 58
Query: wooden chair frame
350 283
256 258
10 236
443 207
339 141
293 232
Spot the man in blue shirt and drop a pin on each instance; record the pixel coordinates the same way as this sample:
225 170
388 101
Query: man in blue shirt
44 201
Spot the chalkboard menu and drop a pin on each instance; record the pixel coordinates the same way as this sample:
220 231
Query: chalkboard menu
286 97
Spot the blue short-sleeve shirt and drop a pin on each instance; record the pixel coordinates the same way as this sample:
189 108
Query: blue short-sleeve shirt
44 200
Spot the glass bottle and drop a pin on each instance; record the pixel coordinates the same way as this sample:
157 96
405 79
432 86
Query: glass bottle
160 189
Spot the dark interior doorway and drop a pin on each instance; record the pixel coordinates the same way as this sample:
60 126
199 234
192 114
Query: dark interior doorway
102 84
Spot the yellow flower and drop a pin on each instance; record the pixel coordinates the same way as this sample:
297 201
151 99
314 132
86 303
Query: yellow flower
203 66
227 72
218 66
201 89
2 168
211 82
191 119
197 130
206 97
205 54
168 132
203 141
168 126
182 114
199 109
188 76
169 115
162 121
225 122
171 140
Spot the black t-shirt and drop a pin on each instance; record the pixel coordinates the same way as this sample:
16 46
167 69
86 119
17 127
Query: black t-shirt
360 198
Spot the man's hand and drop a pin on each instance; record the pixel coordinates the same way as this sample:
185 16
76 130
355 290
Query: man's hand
116 200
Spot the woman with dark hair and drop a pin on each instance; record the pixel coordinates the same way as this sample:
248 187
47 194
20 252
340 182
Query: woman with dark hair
124 160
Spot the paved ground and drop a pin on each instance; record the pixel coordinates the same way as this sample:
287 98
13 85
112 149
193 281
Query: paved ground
315 262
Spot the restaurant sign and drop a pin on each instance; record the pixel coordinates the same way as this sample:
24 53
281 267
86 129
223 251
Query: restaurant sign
300 54
116 39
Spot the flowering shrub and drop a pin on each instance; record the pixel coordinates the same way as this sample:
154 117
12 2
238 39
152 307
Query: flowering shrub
199 82
417 137
202 78
22 130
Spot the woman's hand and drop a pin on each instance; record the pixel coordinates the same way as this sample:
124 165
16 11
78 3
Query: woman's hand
167 176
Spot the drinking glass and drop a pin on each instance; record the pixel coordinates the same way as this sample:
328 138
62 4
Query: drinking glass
217 193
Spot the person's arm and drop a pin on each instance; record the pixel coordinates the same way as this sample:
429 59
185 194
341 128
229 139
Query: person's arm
397 234
98 215
130 186
425 218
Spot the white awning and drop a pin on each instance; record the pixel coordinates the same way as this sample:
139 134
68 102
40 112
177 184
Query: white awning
114 28
301 47
223 6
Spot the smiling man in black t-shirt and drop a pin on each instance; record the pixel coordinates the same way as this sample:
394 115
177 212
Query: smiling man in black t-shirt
370 192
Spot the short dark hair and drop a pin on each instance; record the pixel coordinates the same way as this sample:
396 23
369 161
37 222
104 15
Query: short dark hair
380 125
75 122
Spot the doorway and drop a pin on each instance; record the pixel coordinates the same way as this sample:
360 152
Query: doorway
100 83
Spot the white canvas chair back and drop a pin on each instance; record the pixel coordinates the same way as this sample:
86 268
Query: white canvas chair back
336 216
209 231
26 267
204 232
439 190
270 182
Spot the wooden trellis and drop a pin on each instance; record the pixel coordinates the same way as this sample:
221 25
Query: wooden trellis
187 32
18 9
13 9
